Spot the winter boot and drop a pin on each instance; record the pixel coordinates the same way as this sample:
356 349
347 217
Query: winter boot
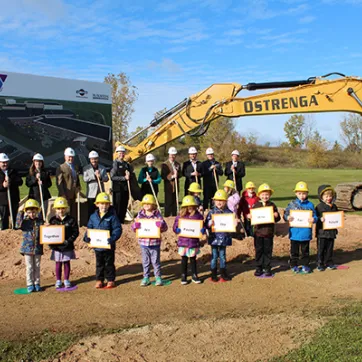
214 277
224 276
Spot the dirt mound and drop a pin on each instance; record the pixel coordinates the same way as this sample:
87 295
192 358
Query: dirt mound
229 339
12 264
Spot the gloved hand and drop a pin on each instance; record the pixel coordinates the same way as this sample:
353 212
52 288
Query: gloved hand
203 231
159 224
66 243
178 230
137 225
87 239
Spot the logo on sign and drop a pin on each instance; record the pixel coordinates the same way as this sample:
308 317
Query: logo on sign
2 80
81 93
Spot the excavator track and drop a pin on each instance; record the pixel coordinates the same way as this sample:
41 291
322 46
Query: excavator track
349 196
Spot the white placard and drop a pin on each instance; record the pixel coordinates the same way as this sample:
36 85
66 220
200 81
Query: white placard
333 220
262 215
300 218
223 223
99 238
149 229
52 234
190 228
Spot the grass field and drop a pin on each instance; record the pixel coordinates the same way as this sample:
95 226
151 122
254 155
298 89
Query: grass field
282 180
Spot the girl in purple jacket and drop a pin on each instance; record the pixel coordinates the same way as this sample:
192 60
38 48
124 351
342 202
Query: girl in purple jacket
188 247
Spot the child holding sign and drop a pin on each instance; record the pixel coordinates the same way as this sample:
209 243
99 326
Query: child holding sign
219 240
150 245
300 237
105 218
188 246
62 254
29 222
325 238
264 232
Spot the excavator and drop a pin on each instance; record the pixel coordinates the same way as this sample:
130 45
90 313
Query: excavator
193 115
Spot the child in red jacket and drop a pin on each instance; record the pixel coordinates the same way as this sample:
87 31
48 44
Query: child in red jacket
248 199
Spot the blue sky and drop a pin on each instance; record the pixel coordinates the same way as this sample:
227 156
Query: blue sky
172 49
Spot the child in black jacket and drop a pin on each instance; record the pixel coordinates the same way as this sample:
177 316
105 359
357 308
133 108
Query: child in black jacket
325 238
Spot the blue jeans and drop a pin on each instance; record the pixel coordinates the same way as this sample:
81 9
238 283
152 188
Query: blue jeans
218 252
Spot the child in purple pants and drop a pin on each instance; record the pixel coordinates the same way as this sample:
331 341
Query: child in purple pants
150 247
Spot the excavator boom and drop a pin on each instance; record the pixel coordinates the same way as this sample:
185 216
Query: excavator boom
193 115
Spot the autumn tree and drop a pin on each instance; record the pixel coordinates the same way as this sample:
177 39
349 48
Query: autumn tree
294 130
317 151
351 132
124 94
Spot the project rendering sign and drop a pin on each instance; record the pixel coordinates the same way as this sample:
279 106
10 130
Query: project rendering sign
47 115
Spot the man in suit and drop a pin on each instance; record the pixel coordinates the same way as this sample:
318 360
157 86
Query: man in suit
191 169
94 175
121 174
68 184
9 181
171 173
237 167
210 169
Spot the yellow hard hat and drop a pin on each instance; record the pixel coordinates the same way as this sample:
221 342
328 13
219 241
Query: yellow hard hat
148 199
230 184
188 201
103 197
301 186
31 204
195 187
220 195
265 187
60 203
250 185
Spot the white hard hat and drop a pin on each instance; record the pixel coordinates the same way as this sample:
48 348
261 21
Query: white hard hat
93 154
172 151
235 152
4 157
120 149
150 157
192 150
209 151
38 157
69 152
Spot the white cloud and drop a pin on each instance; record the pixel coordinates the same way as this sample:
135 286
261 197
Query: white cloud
307 19
165 64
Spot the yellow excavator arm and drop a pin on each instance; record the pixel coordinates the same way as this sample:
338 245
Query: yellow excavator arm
193 115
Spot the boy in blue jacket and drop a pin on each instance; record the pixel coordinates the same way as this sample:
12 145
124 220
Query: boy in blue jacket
105 218
300 237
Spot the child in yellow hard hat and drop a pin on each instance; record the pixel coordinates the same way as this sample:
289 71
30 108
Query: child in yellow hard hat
233 196
150 247
62 254
248 199
105 218
188 247
300 237
264 233
218 240
29 221
195 190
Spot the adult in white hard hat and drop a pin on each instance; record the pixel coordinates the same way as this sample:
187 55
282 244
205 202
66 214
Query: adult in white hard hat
171 173
121 174
68 184
149 174
94 175
209 169
191 169
235 170
38 177
9 179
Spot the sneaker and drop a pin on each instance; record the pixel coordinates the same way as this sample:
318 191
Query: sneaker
38 288
321 268
295 269
184 279
145 282
31 289
195 279
268 273
67 284
111 285
305 269
159 282
58 284
258 272
332 267
99 284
